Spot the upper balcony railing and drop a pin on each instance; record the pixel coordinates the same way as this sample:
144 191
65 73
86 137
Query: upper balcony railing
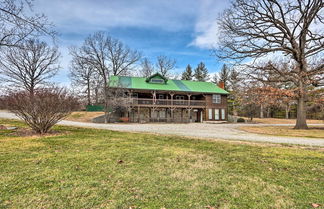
168 102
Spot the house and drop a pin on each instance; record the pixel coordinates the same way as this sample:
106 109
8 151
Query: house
158 99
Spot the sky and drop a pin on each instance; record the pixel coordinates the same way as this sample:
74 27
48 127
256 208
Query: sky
185 30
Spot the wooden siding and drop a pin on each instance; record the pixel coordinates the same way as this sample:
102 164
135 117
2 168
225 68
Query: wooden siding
213 106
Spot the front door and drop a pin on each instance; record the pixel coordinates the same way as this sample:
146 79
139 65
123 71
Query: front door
199 116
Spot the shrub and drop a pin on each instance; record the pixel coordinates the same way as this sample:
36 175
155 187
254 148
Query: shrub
241 120
43 109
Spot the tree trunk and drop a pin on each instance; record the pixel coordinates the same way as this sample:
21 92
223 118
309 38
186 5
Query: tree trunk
88 91
96 96
287 111
234 109
268 112
301 114
31 89
106 101
261 111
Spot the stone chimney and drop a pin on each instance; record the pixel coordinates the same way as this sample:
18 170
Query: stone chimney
221 84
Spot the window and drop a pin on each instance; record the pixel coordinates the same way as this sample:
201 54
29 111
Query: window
179 97
210 114
156 80
216 98
161 96
216 114
223 114
162 114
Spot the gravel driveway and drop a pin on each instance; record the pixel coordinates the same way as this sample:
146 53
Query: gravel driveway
201 130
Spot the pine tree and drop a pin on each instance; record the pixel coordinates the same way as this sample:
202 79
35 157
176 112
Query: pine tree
187 74
236 91
224 76
201 72
215 79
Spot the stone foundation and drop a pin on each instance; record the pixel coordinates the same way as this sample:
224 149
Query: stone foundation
147 115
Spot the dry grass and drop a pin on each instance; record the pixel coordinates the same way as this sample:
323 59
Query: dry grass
312 132
283 121
91 168
83 116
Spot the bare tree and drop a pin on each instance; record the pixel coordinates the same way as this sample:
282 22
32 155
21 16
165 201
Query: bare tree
249 100
29 65
18 23
165 65
254 29
108 57
81 73
147 68
96 85
42 110
121 57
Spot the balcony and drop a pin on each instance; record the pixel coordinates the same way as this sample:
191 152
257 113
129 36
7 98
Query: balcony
168 103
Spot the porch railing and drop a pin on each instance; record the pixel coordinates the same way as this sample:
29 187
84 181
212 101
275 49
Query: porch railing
168 102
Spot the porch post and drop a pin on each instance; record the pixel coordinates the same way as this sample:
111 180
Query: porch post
171 94
189 95
154 97
171 105
138 114
206 110
153 115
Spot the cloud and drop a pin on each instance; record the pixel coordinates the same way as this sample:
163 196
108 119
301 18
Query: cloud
100 14
206 27
152 26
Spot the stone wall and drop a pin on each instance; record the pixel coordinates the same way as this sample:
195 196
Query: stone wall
146 113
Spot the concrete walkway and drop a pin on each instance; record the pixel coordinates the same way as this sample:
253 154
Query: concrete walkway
201 130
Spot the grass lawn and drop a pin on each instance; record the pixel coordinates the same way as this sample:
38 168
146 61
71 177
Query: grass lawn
83 116
312 132
282 121
89 168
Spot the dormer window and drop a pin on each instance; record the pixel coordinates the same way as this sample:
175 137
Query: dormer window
157 79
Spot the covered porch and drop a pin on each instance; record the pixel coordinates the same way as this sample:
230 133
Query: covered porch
160 114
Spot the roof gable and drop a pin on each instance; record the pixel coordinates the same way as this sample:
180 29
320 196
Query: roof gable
157 78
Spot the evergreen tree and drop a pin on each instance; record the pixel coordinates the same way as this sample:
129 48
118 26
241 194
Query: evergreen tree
235 87
201 72
215 79
224 76
187 74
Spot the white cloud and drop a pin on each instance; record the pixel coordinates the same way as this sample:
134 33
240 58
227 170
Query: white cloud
75 19
99 14
206 28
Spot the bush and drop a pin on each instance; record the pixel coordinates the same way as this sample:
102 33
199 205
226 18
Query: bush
241 120
43 109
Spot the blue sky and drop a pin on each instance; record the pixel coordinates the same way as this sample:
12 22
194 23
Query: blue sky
185 30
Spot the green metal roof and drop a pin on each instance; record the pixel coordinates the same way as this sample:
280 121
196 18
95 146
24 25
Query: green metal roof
171 85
